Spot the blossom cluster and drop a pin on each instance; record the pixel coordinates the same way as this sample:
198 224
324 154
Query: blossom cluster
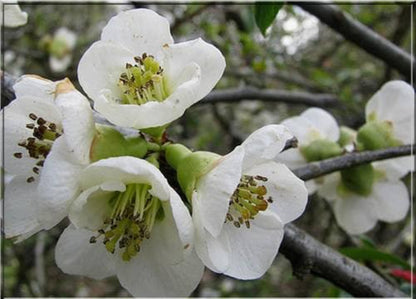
126 219
360 195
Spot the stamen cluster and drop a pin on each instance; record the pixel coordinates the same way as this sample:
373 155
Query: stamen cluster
39 145
142 82
248 200
133 215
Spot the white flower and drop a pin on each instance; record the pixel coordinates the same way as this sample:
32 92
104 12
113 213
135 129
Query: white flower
362 195
129 222
392 109
33 124
356 213
13 15
317 133
61 47
255 196
138 78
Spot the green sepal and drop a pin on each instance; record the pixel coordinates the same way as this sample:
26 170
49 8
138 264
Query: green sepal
155 132
321 149
175 153
376 135
192 167
108 142
346 136
358 179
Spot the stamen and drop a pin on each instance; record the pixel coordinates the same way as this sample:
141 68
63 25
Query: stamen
133 215
247 200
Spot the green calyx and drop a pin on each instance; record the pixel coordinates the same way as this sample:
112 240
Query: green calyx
358 179
190 166
108 142
321 149
346 136
376 135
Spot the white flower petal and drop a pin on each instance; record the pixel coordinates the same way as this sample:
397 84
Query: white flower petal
254 249
35 87
59 183
150 275
265 144
74 254
77 121
391 200
101 66
355 214
128 170
324 122
20 217
66 35
300 127
137 116
59 65
288 192
328 189
204 242
90 209
13 16
139 30
396 168
394 102
206 56
292 158
214 190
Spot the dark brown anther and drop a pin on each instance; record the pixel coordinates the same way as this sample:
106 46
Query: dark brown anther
260 178
138 59
41 121
240 219
30 126
52 127
42 129
144 55
40 163
270 199
23 143
93 239
33 116
128 65
247 224
37 134
30 179
236 224
35 170
230 217
31 140
18 155
101 231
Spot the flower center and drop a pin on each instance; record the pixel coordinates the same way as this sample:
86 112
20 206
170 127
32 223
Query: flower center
38 146
132 218
248 200
143 82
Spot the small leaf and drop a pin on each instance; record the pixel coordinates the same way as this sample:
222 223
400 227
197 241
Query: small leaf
265 13
371 254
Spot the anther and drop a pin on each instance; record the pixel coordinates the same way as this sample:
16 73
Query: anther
93 239
40 163
18 155
260 178
236 224
30 126
270 199
35 170
30 179
247 224
41 121
33 116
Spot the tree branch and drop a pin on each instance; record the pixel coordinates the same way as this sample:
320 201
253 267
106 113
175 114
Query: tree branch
308 255
271 95
362 36
316 169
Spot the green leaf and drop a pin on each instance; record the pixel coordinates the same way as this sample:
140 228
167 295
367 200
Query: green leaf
265 13
374 255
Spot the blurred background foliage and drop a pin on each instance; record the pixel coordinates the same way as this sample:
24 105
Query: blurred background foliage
298 53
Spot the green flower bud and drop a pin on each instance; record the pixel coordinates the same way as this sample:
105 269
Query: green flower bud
358 179
175 153
109 142
320 149
347 136
376 135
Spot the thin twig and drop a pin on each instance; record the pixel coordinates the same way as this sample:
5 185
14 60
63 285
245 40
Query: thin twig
362 36
271 95
316 169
